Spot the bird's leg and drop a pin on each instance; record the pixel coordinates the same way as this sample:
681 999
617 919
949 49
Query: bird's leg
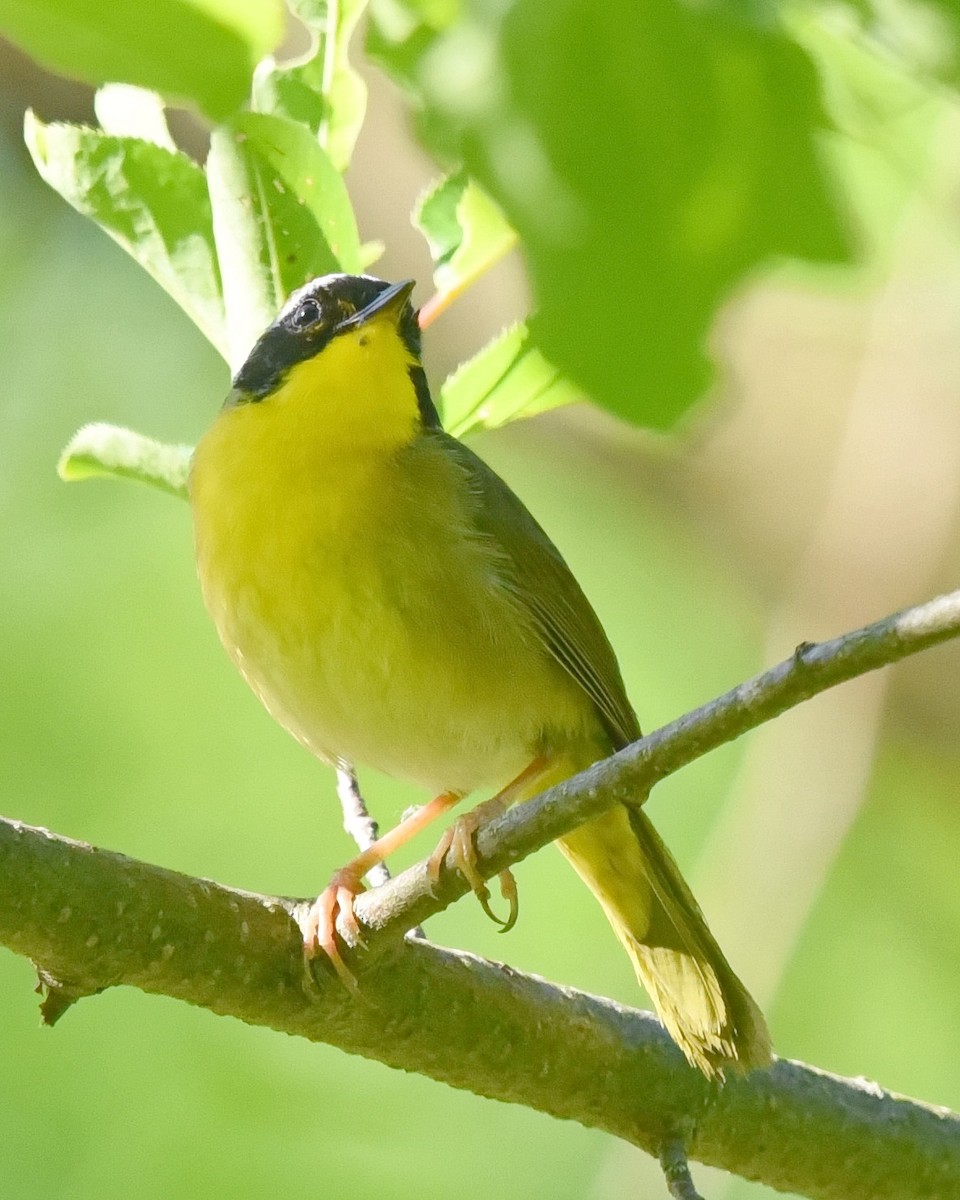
459 839
333 908
357 821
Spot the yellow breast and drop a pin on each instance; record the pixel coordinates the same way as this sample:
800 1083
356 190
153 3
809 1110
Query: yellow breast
339 562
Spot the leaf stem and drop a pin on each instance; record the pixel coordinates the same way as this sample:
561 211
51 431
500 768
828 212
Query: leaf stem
440 301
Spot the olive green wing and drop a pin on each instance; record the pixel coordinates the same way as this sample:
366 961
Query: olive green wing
546 586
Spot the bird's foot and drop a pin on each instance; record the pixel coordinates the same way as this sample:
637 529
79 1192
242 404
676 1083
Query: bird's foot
330 913
458 841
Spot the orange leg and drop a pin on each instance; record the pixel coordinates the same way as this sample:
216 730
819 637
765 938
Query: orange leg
459 839
335 903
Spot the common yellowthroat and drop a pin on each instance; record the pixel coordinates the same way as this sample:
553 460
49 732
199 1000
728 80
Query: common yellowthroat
393 603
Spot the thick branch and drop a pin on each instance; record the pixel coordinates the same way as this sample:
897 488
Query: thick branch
94 919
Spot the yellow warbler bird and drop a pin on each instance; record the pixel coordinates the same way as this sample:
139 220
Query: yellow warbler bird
393 603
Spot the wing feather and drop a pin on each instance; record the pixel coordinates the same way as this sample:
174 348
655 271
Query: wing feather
545 585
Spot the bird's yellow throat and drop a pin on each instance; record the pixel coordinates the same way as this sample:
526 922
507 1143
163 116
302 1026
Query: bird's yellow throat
333 420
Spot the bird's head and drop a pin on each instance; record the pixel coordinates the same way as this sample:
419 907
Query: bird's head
340 341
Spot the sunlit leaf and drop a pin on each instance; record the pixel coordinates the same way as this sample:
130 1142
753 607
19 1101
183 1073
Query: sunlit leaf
151 200
507 380
100 450
127 111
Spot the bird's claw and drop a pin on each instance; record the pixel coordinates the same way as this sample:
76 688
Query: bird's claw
508 890
330 913
458 839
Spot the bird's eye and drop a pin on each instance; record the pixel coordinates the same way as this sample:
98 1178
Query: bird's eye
306 314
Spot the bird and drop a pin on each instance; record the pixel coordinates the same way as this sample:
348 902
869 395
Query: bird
393 603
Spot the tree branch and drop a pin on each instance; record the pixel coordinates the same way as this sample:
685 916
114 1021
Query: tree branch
92 919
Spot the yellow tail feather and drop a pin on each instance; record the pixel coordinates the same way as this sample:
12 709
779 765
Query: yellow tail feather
702 1003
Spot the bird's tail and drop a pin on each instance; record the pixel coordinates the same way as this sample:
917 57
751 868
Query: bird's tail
702 1003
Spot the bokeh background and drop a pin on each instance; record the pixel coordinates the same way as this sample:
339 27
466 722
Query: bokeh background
815 489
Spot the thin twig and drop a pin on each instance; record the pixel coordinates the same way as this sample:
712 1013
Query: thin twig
357 821
676 1171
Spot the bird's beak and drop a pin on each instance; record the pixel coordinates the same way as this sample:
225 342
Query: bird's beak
391 299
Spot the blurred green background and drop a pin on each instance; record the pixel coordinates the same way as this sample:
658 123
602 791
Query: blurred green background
816 490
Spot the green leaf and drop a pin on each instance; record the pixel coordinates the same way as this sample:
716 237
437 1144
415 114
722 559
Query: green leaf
402 32
151 200
281 215
321 90
100 450
507 380
466 231
195 51
650 156
887 149
921 39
